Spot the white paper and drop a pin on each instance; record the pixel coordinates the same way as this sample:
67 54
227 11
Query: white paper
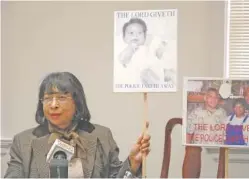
145 60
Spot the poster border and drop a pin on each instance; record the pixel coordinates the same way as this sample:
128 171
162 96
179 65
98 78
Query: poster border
184 113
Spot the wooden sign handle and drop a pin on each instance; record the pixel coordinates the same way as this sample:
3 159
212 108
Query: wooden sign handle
145 119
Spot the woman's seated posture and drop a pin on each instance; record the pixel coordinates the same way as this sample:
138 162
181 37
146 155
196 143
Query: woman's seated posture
62 113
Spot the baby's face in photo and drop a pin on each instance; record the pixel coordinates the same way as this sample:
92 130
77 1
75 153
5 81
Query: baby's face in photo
134 34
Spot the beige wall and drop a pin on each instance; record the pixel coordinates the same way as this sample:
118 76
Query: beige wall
41 37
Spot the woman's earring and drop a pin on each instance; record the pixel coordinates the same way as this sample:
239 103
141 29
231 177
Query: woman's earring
43 119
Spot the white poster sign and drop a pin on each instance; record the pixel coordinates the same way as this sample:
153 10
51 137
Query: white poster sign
216 112
145 51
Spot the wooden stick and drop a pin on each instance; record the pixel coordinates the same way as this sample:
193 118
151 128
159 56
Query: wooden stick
145 118
145 113
226 162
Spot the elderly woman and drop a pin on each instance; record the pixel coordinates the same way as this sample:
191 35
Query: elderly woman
62 113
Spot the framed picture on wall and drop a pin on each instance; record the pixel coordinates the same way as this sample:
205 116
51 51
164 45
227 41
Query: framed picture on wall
216 112
145 51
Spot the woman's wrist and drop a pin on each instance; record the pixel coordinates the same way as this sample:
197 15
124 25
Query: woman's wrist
134 165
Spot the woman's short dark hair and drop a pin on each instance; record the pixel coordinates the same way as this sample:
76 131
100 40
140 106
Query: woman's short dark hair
240 101
65 82
135 21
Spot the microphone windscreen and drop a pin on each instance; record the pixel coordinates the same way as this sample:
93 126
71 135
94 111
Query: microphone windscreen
59 145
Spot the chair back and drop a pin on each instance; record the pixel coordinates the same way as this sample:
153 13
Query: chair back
191 167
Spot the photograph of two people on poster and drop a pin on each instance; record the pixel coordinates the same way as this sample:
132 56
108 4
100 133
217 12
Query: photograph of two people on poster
216 112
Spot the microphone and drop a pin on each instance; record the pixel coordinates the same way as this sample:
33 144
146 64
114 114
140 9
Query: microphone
58 157
59 165
59 145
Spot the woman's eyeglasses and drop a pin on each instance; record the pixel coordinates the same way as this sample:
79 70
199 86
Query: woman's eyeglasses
60 99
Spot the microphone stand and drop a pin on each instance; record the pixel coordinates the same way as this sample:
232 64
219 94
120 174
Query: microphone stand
59 165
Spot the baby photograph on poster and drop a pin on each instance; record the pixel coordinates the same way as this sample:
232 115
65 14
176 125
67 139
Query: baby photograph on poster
216 112
145 51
